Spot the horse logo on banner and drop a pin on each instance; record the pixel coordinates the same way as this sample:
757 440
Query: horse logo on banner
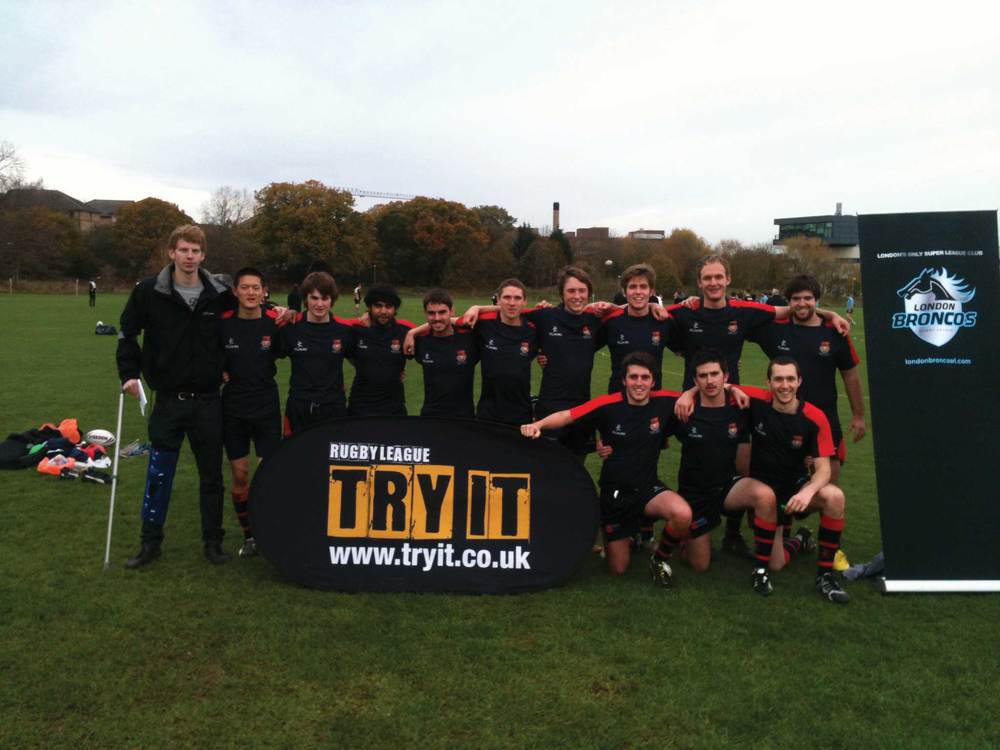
933 303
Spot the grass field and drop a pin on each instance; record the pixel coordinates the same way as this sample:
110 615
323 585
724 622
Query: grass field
185 654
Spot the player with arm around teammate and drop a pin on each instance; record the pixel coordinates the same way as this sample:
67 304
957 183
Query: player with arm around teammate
633 421
250 405
785 431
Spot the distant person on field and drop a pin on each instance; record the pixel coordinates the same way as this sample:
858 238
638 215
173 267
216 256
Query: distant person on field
850 308
357 298
92 292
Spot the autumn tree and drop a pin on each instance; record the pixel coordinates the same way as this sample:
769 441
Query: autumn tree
419 238
657 254
541 263
300 224
37 243
141 230
495 220
686 248
522 240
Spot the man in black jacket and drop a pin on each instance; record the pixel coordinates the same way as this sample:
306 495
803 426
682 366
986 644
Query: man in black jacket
181 358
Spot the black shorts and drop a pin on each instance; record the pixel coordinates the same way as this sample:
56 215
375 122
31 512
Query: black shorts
263 429
783 493
302 413
623 509
706 506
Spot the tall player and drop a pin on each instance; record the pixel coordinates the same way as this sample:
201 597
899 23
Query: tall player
633 422
785 432
250 405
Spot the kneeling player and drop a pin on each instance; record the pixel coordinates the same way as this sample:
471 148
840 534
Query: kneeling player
633 422
715 457
785 431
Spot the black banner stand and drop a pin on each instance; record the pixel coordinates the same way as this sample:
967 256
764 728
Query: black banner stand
931 284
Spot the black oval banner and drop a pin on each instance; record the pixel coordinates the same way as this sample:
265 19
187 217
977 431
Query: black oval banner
423 504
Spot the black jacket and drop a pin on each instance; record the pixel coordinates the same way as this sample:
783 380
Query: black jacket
181 349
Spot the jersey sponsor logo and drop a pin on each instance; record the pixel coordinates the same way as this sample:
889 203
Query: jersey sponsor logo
231 343
654 425
427 359
824 348
525 348
796 441
760 429
933 303
555 331
338 346
656 338
733 328
585 332
621 339
783 346
619 431
696 328
300 347
733 430
395 347
265 343
461 356
693 433
491 345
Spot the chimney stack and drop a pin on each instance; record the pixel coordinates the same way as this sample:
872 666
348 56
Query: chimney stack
555 216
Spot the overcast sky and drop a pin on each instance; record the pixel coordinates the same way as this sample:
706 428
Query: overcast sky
713 115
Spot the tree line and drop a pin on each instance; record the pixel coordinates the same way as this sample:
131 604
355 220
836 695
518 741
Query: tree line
286 229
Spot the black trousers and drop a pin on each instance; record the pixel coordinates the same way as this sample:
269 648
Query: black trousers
199 417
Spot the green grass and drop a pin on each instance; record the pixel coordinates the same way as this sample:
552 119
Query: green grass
186 654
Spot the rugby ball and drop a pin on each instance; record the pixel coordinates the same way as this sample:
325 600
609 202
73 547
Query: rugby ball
100 437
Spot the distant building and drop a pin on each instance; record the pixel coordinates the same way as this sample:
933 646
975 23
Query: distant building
648 234
839 232
85 215
592 233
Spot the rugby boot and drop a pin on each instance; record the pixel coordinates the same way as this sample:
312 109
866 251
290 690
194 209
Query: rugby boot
829 589
249 548
215 554
761 580
661 572
148 552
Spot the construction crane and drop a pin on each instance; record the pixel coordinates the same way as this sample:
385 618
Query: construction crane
358 193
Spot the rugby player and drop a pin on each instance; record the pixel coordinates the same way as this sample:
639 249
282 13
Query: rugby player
507 345
633 423
721 322
448 356
715 461
566 334
820 352
379 359
250 405
317 343
635 328
785 431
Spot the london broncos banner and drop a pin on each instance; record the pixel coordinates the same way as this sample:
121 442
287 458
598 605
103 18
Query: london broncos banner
423 504
930 283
